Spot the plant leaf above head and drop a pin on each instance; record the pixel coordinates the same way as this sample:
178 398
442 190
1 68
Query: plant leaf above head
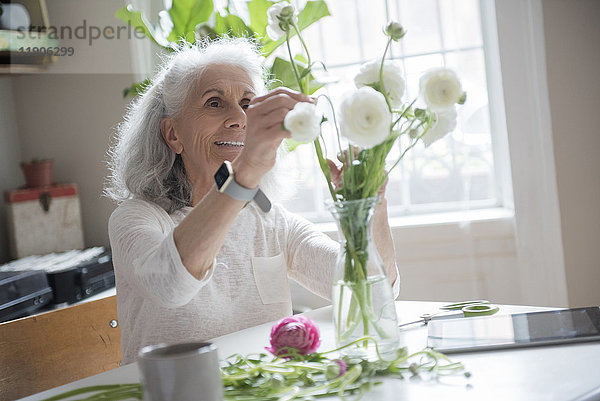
258 16
135 19
186 14
231 25
282 70
311 13
136 88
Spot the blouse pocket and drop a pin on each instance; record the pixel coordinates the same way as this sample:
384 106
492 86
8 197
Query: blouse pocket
270 275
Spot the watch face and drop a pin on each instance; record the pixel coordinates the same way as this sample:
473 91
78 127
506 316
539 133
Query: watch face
222 175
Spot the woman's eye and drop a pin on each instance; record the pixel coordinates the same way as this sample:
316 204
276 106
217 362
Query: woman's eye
213 103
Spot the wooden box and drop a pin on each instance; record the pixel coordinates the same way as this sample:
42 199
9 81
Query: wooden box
43 220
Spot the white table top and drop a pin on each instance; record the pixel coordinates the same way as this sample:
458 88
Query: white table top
563 372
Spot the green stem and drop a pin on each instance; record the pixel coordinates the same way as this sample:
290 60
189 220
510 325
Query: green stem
324 168
412 145
309 64
387 46
337 130
287 41
404 113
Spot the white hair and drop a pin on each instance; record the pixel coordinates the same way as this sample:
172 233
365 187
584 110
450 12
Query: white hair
140 162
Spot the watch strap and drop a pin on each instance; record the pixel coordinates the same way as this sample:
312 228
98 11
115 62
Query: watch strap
238 192
262 201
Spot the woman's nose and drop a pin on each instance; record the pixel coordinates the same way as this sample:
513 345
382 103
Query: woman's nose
237 118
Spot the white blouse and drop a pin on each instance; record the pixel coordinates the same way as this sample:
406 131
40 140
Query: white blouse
159 301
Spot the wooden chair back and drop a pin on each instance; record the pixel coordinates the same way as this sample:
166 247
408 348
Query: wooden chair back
57 347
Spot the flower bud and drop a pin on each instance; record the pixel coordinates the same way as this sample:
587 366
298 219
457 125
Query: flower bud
414 369
335 369
286 12
277 380
395 31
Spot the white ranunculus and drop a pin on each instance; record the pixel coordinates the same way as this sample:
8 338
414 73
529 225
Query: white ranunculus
393 81
445 122
279 16
440 88
365 118
303 122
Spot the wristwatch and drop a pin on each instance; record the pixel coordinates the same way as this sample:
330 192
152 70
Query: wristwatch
226 184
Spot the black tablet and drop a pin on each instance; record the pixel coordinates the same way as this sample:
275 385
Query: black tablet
513 331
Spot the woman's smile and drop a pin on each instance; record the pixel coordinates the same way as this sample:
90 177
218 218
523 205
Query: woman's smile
229 143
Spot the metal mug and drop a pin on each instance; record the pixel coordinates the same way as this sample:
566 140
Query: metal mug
181 372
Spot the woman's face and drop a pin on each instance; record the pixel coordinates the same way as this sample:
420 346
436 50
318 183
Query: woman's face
212 126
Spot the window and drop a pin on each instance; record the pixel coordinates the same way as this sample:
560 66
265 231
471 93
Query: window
455 173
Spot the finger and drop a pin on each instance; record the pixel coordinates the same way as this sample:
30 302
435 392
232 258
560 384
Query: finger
276 131
383 187
273 118
336 173
280 100
335 169
298 96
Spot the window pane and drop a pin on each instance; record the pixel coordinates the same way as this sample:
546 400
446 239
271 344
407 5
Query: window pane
454 173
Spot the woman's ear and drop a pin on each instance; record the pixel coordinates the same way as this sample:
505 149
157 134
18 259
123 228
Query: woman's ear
167 129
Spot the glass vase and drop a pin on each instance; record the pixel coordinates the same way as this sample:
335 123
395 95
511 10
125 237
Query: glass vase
363 300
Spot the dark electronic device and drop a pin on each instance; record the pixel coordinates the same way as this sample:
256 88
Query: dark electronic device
515 331
22 293
83 280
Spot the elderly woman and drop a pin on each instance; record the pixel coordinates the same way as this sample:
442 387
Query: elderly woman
197 249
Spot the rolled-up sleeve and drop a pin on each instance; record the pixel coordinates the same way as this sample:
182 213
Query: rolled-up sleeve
145 255
311 255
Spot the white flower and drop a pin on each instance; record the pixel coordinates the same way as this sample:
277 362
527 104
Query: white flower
303 122
279 17
441 88
365 118
445 122
392 79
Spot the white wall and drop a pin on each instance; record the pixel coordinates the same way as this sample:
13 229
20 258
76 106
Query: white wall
573 56
70 111
71 117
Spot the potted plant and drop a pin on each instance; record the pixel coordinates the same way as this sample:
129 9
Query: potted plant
38 172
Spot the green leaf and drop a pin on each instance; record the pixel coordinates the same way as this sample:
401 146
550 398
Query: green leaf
301 58
258 16
284 76
136 20
231 25
136 88
311 13
290 145
186 14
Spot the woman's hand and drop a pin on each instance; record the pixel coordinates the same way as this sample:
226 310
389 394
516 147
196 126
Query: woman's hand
336 172
264 133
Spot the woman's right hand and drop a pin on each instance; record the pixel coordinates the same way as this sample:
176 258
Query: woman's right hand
264 133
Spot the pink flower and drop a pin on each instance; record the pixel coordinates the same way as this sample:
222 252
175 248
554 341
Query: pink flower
296 332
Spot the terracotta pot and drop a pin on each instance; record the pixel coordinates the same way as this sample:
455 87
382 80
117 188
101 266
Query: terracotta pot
38 174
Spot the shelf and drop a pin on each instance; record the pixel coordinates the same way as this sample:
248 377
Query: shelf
28 52
22 68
